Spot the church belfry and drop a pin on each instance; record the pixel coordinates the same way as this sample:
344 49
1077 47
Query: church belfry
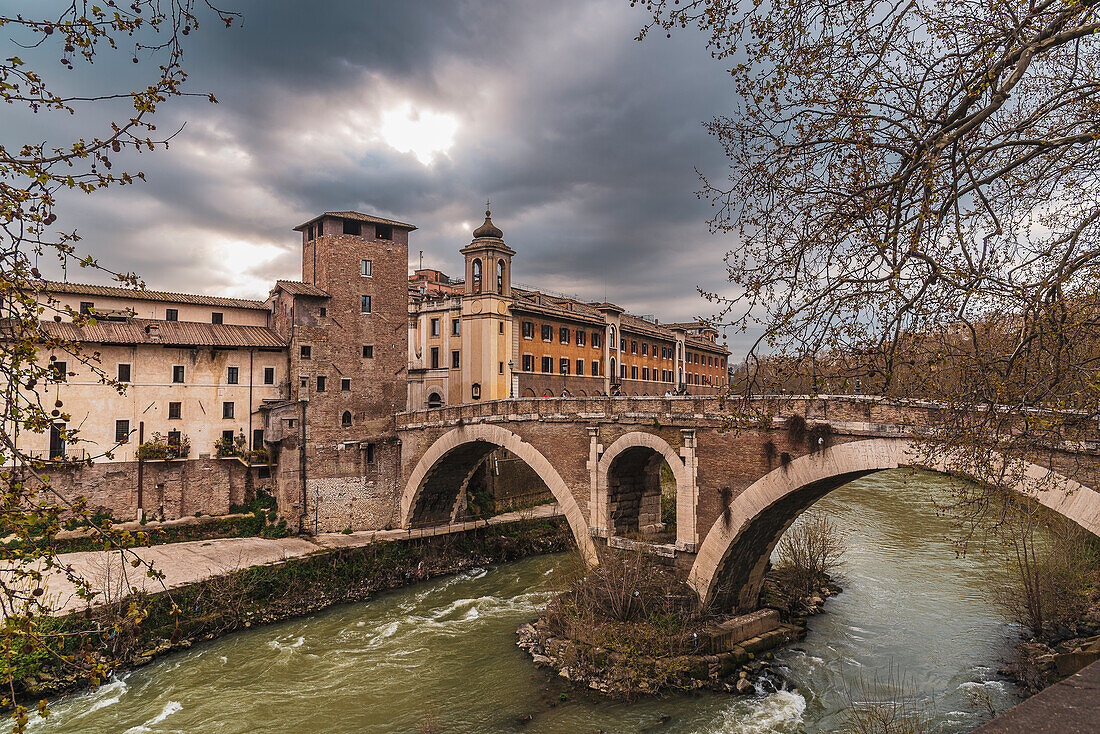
486 314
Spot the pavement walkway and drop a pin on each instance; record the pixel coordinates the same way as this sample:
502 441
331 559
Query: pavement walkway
198 560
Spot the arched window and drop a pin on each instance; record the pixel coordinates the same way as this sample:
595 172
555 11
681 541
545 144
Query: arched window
612 342
435 400
476 277
345 419
613 373
500 276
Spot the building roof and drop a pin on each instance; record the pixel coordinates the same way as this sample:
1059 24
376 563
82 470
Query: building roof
298 288
173 333
357 216
142 294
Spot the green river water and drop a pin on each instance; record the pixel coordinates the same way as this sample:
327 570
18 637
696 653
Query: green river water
441 656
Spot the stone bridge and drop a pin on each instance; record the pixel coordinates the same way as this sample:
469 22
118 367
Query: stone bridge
737 490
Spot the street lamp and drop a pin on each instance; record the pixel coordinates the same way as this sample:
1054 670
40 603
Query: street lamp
511 379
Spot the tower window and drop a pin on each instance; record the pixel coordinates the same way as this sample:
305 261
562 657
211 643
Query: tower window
269 375
383 232
364 304
351 227
368 351
345 384
232 375
475 271
216 317
500 276
366 268
345 419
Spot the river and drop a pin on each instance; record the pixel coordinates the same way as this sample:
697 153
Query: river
441 656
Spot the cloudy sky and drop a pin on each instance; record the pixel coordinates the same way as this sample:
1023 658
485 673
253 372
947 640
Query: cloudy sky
586 141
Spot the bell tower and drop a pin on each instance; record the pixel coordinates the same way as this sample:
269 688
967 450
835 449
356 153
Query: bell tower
486 316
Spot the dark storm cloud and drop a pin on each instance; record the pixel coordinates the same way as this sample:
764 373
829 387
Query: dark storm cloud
586 141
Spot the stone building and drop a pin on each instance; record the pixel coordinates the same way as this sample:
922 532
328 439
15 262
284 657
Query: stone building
298 394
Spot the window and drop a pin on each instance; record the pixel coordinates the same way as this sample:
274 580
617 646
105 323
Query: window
122 431
320 228
309 233
435 400
383 232
455 327
563 335
634 372
475 271
124 373
500 276
596 339
528 363
57 441
564 364
370 453
435 358
269 375
303 381
177 373
232 375
612 342
364 304
174 438
366 268
475 391
227 436
345 419
86 307
60 370
215 318
175 410
351 227
227 411
528 329
612 367
171 314
595 368
306 351
633 347
645 349
581 337
547 332
345 384
622 345
257 438
320 383
455 359
622 371
434 329
580 367
324 312
548 365
645 373
500 328
500 368
368 351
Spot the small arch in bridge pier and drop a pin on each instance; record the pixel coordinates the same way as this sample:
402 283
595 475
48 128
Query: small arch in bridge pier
628 491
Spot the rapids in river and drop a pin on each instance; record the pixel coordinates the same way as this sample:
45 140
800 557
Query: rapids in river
441 656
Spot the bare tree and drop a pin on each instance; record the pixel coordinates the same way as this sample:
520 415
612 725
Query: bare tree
103 131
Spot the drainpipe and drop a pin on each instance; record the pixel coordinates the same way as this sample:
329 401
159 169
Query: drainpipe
251 444
302 466
141 466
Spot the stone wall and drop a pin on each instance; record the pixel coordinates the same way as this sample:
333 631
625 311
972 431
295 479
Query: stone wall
170 489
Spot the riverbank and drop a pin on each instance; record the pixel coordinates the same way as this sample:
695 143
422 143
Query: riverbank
261 594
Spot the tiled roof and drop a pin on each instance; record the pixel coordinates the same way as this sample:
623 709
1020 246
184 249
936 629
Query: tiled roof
178 333
141 294
360 217
297 288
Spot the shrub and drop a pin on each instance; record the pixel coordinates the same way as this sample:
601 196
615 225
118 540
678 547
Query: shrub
159 447
808 553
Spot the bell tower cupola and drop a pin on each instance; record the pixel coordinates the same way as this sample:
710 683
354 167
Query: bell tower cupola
488 261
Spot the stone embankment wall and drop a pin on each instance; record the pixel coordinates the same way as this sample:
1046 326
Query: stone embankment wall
170 489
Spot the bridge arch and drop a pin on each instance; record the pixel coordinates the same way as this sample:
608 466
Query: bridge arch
448 463
732 558
631 466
